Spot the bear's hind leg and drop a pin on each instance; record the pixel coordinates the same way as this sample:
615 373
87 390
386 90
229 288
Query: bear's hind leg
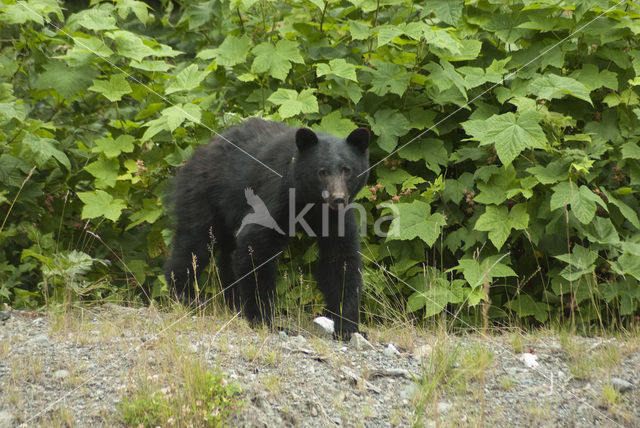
256 269
189 248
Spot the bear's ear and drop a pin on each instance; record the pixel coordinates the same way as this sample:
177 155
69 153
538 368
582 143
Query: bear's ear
305 138
359 138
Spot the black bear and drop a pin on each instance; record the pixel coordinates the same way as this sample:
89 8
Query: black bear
243 195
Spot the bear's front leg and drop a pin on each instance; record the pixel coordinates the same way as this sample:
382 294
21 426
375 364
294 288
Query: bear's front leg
340 278
255 267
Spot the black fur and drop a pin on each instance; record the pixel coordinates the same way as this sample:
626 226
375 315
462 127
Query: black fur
209 202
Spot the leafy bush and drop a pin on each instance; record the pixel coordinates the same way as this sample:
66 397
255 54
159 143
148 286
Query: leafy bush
507 138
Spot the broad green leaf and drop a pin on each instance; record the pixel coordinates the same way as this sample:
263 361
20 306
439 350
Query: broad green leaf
525 306
105 171
188 79
390 178
231 52
292 103
334 124
154 127
85 50
441 39
64 80
499 221
594 79
276 60
555 171
510 134
582 200
630 150
178 113
337 67
389 78
114 88
388 125
101 204
430 150
140 9
386 33
358 30
449 11
43 149
150 212
553 86
630 214
112 148
130 45
580 262
414 220
476 272
95 19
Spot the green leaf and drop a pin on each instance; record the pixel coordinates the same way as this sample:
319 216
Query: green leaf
629 213
112 148
414 220
630 150
498 221
386 33
430 150
525 306
594 79
105 171
553 86
65 80
389 78
358 30
114 88
130 45
44 149
448 11
334 124
150 212
292 103
231 52
476 272
388 125
188 79
510 134
555 171
337 67
582 200
101 204
276 60
580 262
95 19
178 113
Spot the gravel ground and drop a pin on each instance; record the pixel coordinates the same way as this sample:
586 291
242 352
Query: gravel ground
72 370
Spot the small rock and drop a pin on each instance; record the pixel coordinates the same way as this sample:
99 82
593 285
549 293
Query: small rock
359 342
530 360
443 406
61 374
621 384
40 339
323 325
283 335
422 352
299 340
7 420
5 315
410 391
391 350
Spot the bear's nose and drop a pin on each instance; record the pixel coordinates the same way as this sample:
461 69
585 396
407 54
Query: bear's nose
338 199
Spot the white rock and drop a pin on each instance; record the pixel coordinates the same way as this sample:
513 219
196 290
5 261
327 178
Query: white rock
359 342
324 324
530 360
40 339
6 419
61 374
621 384
391 350
443 406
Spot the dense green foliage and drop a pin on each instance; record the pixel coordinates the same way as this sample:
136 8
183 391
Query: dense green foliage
507 141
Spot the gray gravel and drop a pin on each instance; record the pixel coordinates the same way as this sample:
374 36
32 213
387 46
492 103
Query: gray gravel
73 370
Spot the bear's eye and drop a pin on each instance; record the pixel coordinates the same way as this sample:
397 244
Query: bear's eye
323 173
346 171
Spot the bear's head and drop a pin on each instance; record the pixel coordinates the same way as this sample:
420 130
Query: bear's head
330 169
